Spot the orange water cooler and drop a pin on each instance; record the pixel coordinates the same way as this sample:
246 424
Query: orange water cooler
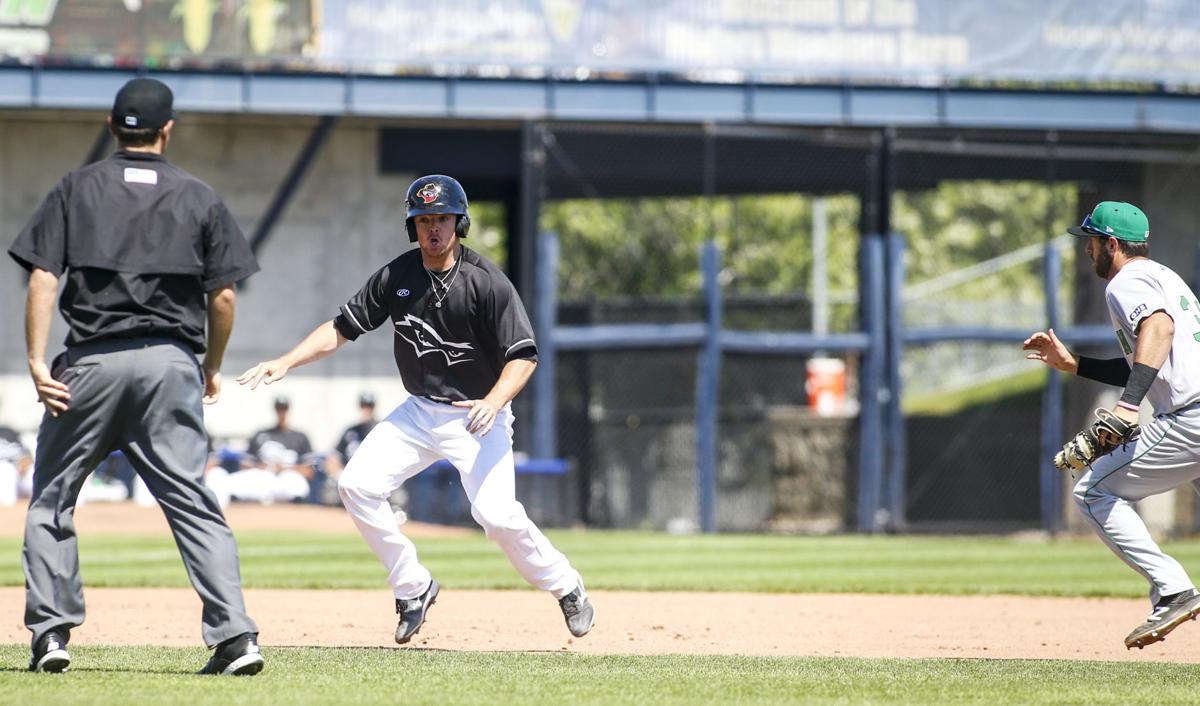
825 383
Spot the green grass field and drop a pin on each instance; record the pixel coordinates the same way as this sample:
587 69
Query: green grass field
650 562
615 560
162 677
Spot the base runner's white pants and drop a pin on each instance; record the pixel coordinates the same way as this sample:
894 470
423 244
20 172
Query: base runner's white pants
1165 455
417 434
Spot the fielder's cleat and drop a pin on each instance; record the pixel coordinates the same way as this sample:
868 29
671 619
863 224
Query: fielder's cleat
412 612
238 656
50 653
1169 614
578 611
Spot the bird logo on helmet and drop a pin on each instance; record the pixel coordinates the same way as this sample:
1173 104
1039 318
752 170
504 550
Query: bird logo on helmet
430 192
436 193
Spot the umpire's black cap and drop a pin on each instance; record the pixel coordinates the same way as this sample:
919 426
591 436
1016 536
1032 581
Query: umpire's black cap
143 103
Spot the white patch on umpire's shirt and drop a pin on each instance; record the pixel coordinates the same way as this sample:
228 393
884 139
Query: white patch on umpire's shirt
141 176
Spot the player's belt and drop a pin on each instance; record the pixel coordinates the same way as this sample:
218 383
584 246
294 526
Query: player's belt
439 400
1187 407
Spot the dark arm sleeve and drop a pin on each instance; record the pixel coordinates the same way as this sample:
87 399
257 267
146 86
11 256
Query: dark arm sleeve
227 255
43 241
510 322
367 310
1113 371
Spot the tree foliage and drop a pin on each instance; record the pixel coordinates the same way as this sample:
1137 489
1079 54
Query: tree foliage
650 247
962 223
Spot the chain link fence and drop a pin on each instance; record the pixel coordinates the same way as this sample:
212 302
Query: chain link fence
632 208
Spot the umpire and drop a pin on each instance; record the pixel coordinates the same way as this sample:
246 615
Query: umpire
150 255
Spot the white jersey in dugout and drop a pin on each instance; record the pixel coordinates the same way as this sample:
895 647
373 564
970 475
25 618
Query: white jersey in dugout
1141 288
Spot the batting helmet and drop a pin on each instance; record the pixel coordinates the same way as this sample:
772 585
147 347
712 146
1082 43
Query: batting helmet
436 193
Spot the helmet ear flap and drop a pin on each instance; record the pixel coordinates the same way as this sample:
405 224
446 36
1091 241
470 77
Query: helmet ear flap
412 230
463 226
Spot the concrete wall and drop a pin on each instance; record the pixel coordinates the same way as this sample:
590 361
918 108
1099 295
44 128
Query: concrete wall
1169 200
344 222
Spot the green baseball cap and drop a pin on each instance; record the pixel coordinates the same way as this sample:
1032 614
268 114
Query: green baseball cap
1115 219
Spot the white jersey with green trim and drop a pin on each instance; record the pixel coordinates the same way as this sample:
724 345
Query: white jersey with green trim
1141 288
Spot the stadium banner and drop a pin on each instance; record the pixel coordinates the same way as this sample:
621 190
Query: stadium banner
903 41
233 34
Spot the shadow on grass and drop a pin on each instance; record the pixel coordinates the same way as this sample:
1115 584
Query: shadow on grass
357 648
103 670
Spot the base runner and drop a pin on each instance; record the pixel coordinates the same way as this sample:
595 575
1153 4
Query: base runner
464 348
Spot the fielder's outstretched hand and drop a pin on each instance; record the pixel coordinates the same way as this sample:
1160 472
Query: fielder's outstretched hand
268 371
1047 348
482 415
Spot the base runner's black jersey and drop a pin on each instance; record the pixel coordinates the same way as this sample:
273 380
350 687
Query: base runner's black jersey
450 352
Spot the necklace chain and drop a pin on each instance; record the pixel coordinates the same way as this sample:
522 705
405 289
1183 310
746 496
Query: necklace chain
445 281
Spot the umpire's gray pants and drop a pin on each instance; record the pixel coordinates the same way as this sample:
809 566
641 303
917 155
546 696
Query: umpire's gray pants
142 397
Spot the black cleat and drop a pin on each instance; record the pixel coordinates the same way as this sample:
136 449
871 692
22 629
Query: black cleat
238 656
1169 614
50 653
412 612
578 611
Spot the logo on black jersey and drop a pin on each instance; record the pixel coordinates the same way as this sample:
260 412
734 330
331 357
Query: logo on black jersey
402 292
425 340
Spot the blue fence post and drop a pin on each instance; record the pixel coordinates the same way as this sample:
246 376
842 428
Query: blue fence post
545 411
1050 480
708 381
871 384
897 442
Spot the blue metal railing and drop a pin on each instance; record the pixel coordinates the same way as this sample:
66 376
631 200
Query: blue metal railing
882 472
711 342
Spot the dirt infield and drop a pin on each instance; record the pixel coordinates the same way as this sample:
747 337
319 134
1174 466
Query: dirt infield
127 518
997 627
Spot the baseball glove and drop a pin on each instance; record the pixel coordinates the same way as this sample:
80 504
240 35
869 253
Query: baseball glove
1105 434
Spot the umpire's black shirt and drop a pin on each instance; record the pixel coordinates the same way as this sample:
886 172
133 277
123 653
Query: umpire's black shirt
141 241
452 352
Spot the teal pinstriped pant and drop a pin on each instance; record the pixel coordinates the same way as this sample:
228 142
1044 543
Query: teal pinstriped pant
1166 455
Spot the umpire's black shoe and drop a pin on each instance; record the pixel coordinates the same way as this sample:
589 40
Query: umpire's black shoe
50 653
1170 613
238 656
578 611
412 612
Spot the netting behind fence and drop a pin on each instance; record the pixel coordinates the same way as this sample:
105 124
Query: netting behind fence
633 206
